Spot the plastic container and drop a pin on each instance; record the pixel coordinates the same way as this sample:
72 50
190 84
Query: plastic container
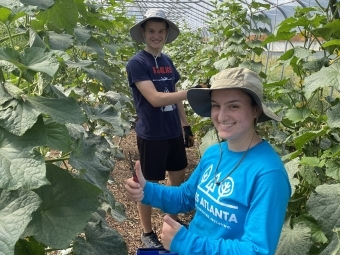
153 251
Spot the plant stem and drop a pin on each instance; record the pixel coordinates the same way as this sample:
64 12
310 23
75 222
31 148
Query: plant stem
2 77
56 160
10 37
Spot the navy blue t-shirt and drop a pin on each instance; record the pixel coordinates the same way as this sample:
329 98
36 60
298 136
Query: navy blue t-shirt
154 123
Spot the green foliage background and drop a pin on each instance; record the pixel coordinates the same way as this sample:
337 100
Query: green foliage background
64 96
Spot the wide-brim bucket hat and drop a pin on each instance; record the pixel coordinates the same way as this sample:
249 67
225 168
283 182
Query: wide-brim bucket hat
232 78
136 30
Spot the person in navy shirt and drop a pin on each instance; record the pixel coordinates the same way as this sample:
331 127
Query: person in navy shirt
152 77
240 188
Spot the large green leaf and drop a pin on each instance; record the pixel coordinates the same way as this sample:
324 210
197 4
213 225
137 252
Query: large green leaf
92 154
34 58
63 15
107 114
58 137
100 76
314 65
82 34
296 241
4 95
97 47
223 63
84 157
333 170
309 175
252 65
99 239
326 77
16 208
282 36
67 206
40 60
333 115
21 166
301 52
298 114
327 30
324 206
306 137
18 117
335 42
12 56
59 41
62 110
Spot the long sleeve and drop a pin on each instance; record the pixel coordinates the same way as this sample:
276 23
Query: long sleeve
172 199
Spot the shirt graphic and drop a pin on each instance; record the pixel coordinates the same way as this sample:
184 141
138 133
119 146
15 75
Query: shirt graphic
168 108
212 199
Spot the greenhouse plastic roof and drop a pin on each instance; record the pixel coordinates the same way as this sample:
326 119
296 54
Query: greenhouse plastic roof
194 13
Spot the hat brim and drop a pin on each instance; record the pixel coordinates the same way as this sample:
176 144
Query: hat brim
137 35
200 101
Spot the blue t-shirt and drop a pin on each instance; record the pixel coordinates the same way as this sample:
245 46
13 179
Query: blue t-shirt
154 123
243 215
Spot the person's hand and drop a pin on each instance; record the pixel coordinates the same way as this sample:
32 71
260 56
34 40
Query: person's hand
169 230
188 137
134 190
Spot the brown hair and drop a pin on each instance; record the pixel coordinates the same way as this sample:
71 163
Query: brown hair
154 20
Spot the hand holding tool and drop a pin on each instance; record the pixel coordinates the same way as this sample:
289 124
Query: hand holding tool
132 168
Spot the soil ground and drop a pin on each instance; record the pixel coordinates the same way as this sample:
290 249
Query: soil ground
130 229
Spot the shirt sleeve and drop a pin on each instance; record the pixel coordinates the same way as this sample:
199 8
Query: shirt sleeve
170 199
262 226
138 71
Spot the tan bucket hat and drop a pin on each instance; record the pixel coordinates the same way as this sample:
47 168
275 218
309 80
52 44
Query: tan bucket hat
136 30
233 78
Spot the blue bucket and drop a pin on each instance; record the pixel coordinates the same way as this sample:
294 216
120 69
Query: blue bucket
153 251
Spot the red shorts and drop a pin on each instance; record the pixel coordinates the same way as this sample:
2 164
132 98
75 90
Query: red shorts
158 156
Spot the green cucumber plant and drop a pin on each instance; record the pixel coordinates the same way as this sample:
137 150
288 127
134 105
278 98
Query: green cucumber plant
63 97
308 135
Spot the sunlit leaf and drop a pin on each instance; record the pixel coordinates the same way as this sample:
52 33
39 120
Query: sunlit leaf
63 15
296 241
325 78
306 137
62 110
324 206
21 166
